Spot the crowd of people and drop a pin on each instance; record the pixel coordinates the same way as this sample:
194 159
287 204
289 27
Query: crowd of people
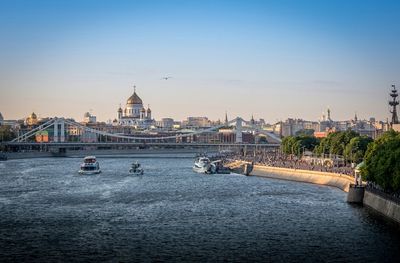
279 159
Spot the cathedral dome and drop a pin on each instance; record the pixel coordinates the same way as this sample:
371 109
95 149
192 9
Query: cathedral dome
142 110
134 99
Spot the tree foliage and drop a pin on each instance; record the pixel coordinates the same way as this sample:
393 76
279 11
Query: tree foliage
6 133
382 162
335 143
305 132
356 148
296 144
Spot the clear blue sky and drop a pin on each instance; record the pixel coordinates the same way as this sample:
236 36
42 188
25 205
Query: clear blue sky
273 59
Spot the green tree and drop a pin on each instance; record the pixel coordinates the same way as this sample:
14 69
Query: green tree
6 133
335 143
287 144
296 145
382 162
305 132
356 148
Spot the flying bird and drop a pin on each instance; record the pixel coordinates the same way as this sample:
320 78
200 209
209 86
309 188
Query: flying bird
166 78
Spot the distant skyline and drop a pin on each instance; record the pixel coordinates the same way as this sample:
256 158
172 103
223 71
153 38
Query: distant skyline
271 59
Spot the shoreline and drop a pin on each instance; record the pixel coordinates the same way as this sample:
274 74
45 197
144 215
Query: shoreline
340 181
384 206
143 153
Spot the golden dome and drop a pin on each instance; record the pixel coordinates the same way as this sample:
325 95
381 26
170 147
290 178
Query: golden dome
134 99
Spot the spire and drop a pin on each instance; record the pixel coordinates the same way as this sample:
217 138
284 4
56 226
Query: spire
134 88
252 119
226 118
355 117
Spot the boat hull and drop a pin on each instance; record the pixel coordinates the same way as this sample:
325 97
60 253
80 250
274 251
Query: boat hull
82 172
136 172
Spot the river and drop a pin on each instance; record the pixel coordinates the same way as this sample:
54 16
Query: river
50 213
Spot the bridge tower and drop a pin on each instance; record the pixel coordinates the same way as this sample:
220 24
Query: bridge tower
62 131
239 138
59 131
55 137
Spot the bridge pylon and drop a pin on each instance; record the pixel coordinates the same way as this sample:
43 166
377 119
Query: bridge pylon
59 130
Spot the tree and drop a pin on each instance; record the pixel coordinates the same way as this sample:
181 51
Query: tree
305 132
356 148
6 133
335 143
296 145
287 144
382 162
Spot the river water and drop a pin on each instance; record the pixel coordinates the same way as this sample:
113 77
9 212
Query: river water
50 213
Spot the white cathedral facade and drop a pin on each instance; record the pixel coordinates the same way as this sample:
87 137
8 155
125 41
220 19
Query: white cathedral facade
134 114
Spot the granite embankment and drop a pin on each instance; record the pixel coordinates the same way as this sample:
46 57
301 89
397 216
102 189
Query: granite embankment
382 204
323 178
373 199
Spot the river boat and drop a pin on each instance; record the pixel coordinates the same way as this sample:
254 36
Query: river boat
136 169
220 168
204 165
90 166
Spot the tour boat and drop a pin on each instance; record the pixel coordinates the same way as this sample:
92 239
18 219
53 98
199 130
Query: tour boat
204 165
90 166
136 169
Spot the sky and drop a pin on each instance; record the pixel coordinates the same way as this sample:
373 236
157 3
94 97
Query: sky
271 59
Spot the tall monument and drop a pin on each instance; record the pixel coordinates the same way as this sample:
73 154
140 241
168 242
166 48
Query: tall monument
393 103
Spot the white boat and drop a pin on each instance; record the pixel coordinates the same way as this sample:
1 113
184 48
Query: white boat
90 166
136 169
204 165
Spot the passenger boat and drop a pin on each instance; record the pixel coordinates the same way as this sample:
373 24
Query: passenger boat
136 169
220 168
204 165
90 166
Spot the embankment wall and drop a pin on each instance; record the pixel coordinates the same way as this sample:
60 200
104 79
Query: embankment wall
382 205
323 178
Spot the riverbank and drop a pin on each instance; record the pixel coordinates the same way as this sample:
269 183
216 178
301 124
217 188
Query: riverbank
374 200
150 153
382 204
315 177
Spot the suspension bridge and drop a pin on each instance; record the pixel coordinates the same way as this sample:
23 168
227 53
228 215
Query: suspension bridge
60 137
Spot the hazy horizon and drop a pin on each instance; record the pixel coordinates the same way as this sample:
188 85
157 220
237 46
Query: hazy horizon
272 59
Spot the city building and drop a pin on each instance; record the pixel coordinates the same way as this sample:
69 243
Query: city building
166 123
31 119
196 122
89 118
134 114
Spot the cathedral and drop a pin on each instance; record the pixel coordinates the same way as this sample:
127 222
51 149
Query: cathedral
134 113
